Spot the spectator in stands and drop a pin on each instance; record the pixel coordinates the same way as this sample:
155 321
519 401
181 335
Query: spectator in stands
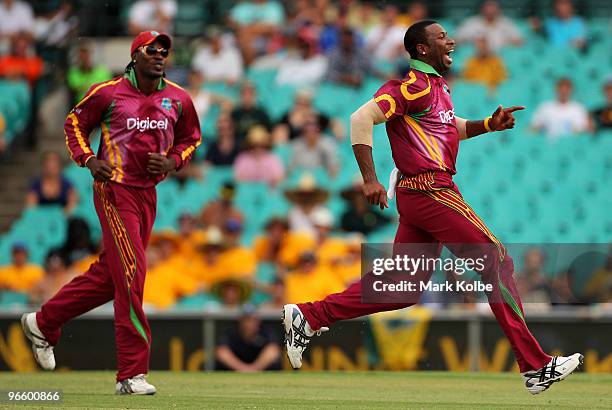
348 267
225 148
500 31
56 276
307 198
360 216
20 275
78 244
306 13
565 28
203 99
311 280
598 289
3 142
219 60
276 291
248 347
257 23
603 115
385 41
348 64
258 163
85 73
248 113
291 125
155 15
163 286
561 117
59 26
328 249
16 16
280 246
485 67
532 281
208 264
219 211
302 65
313 149
52 188
417 10
329 39
239 264
189 235
22 62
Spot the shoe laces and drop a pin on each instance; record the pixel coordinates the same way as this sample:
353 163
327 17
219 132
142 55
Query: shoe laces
139 380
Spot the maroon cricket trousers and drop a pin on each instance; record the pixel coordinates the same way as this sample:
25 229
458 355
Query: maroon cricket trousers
442 216
126 215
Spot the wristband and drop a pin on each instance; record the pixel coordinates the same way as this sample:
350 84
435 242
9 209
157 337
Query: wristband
88 158
486 124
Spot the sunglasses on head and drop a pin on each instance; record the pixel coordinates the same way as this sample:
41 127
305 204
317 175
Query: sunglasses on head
151 51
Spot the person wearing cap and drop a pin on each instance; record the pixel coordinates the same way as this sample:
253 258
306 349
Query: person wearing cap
307 197
258 163
149 128
20 276
329 249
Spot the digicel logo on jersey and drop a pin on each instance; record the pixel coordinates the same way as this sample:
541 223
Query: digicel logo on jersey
447 116
146 124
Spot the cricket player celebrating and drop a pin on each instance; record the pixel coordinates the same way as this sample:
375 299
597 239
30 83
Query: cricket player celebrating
424 134
149 128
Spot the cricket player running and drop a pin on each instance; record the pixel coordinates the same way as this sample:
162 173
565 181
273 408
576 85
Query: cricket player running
149 128
424 134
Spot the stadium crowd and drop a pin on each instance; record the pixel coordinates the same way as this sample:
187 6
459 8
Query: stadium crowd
288 141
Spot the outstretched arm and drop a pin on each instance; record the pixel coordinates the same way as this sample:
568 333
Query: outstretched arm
502 119
362 124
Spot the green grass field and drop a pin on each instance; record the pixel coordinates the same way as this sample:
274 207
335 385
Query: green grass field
312 390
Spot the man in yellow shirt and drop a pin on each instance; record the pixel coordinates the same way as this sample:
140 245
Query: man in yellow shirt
485 67
20 276
311 280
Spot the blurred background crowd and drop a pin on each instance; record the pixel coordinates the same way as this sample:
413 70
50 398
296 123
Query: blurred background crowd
270 209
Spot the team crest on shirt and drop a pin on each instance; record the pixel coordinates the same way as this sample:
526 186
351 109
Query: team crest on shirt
446 89
166 104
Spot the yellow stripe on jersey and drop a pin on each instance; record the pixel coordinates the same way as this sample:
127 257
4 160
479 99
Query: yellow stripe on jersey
174 84
68 146
190 149
419 131
77 133
107 142
390 100
412 79
95 90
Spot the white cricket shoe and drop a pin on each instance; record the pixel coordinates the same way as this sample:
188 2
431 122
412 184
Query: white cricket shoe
297 334
135 385
556 370
43 351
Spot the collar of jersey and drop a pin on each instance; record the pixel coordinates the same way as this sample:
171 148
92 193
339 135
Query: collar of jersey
424 67
131 76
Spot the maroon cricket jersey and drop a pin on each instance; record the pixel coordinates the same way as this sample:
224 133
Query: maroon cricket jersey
133 125
421 122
